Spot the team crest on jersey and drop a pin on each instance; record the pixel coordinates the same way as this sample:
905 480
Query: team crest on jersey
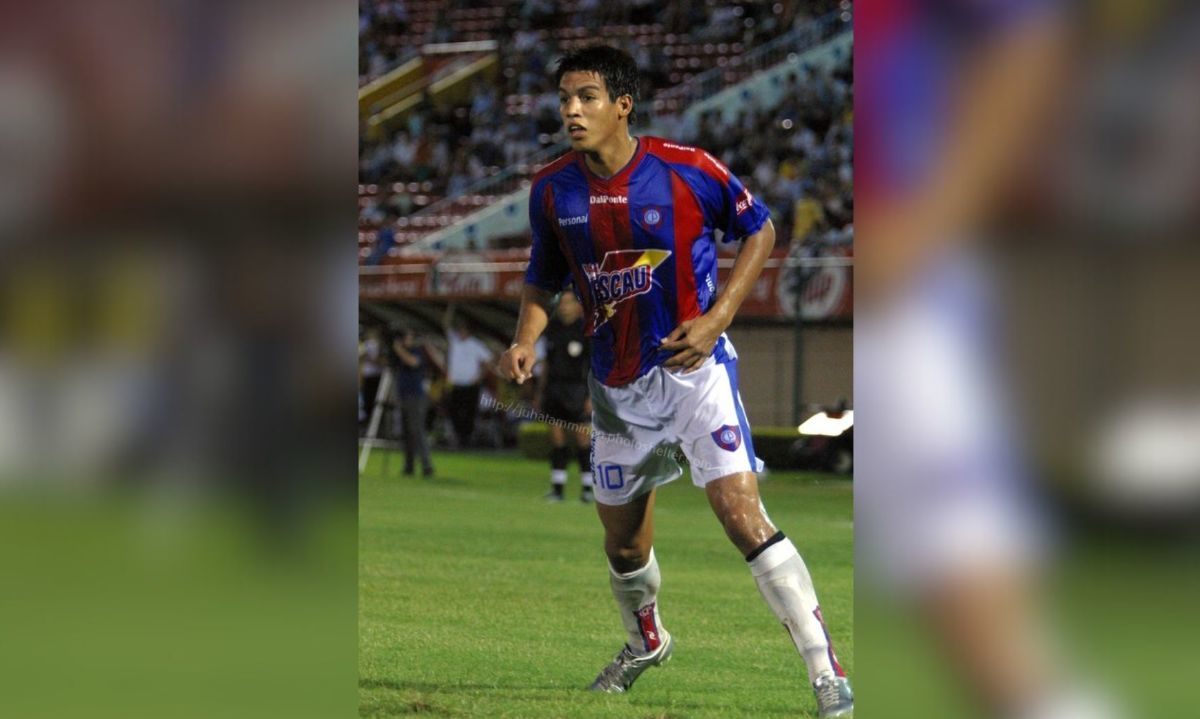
728 438
622 274
652 217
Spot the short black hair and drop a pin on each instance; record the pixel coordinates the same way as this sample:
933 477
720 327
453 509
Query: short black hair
617 67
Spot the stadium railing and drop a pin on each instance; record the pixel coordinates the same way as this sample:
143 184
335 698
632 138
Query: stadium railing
675 100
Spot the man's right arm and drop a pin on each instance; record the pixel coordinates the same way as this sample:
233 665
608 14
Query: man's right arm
517 361
408 358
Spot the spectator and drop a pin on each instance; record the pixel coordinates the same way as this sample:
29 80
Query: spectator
411 360
467 362
385 239
370 370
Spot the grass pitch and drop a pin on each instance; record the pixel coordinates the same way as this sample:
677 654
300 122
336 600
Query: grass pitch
478 599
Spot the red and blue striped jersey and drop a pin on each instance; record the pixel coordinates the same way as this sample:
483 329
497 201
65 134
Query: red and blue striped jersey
640 246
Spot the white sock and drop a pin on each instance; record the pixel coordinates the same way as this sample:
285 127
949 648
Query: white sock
585 478
558 476
783 581
636 593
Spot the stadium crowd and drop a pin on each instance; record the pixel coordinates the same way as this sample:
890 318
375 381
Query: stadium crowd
797 155
441 152
387 37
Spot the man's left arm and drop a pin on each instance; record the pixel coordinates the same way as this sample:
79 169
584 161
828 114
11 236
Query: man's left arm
693 341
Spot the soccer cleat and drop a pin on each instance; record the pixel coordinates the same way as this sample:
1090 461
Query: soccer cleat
834 697
553 496
626 667
587 497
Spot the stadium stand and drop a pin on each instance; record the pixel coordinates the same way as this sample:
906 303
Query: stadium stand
433 164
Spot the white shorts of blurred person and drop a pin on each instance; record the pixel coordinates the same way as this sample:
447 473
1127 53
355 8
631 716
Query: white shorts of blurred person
944 518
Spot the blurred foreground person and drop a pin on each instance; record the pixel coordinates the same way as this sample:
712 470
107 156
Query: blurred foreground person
948 95
563 396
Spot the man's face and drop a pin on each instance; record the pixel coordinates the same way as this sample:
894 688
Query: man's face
569 308
589 116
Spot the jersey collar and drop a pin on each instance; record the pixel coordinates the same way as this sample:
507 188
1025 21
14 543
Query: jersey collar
621 175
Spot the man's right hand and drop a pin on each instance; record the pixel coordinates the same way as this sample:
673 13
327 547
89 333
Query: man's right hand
517 362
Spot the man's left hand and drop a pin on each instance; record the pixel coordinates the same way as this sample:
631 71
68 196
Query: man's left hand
692 342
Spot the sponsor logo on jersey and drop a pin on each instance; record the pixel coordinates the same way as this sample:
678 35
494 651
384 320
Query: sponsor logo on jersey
568 221
609 200
716 163
728 437
744 201
621 275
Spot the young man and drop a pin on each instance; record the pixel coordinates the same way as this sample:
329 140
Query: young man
563 395
633 221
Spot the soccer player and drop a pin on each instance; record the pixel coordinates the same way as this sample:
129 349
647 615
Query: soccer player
563 395
947 523
634 221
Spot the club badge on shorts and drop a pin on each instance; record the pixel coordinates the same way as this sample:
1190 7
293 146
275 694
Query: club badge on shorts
728 438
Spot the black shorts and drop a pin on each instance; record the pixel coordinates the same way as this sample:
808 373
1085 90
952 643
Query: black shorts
565 401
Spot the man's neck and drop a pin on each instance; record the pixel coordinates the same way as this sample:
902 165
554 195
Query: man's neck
608 160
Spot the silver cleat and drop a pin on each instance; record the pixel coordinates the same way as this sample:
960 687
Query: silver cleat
626 667
834 697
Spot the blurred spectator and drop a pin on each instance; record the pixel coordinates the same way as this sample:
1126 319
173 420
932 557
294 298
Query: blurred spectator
411 361
385 239
401 203
467 361
370 370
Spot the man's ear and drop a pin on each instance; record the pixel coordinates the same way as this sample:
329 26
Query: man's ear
625 105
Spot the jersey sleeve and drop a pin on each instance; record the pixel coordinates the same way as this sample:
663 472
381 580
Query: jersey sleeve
731 207
548 267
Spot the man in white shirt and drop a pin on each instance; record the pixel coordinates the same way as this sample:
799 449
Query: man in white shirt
467 360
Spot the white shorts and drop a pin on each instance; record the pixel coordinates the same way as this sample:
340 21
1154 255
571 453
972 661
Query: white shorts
639 430
938 481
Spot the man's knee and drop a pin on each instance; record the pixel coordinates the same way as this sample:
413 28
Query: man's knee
627 556
736 503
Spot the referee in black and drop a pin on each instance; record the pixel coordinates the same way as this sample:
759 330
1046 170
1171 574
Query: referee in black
563 395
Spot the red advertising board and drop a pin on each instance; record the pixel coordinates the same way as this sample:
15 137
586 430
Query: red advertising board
827 294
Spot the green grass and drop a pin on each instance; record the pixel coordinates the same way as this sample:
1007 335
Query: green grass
477 599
